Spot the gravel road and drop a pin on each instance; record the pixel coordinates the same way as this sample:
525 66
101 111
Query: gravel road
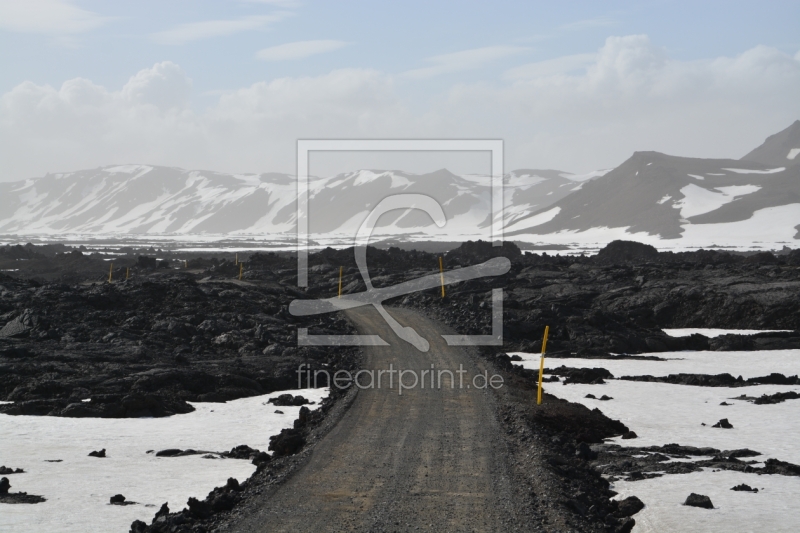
426 460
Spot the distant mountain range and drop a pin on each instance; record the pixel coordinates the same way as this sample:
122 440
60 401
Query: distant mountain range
651 197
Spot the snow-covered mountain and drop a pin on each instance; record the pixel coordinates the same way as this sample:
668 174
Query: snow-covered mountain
659 197
138 199
652 197
147 200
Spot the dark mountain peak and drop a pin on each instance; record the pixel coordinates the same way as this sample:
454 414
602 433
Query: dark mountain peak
781 149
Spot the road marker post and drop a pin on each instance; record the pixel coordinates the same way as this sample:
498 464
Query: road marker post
241 270
110 272
341 270
541 366
127 273
237 259
441 274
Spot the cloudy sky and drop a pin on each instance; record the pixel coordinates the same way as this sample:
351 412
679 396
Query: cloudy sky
231 85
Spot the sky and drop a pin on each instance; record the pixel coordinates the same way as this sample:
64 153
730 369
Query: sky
232 85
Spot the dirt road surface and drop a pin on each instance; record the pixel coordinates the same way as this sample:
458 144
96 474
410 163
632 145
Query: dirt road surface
426 460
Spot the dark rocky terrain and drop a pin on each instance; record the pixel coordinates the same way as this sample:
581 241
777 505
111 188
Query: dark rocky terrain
178 332
148 345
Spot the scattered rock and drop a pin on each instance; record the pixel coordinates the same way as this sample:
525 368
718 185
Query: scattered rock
699 500
626 526
629 507
630 435
288 442
286 400
605 398
16 497
582 375
724 424
778 397
175 452
8 471
101 453
744 488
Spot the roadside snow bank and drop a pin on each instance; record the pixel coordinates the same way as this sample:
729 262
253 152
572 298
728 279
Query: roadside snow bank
78 487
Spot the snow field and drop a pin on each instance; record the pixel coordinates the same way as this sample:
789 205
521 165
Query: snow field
79 487
662 413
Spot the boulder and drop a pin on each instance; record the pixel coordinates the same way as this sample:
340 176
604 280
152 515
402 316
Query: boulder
744 488
288 442
629 507
699 500
100 453
724 424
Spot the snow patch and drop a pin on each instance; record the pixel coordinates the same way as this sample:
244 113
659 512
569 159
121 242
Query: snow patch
695 176
587 176
129 169
697 200
663 200
78 488
536 220
748 171
793 153
714 332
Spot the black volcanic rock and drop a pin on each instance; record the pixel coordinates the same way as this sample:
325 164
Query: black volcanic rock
724 424
699 500
98 453
16 497
621 252
629 506
288 442
285 400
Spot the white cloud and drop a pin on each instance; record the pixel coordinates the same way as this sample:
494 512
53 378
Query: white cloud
299 50
56 17
635 97
164 86
464 60
632 96
549 67
194 31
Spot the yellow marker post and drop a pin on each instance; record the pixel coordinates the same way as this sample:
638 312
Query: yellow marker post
241 270
127 273
185 263
341 270
110 272
237 259
441 274
541 365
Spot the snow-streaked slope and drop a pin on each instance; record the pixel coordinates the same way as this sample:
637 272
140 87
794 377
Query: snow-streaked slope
138 199
130 200
675 202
